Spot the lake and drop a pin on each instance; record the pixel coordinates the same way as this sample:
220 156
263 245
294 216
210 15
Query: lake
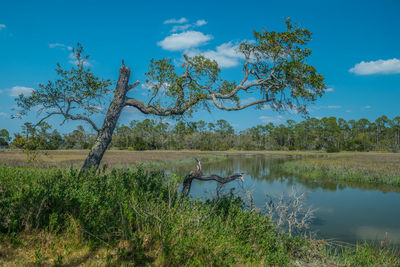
345 212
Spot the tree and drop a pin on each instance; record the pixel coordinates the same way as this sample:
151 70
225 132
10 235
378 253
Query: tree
4 138
275 68
33 139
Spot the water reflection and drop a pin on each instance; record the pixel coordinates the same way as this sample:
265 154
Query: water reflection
347 212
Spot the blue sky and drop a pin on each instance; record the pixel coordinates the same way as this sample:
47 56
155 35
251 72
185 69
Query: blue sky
356 46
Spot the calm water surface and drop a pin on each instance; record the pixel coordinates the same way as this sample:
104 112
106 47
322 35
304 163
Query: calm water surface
348 213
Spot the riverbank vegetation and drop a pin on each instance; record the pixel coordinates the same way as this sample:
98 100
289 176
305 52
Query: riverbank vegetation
361 168
329 134
53 216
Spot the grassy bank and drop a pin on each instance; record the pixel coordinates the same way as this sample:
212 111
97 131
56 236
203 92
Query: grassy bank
367 168
54 217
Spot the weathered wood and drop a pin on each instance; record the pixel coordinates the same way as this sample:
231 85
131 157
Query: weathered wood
198 175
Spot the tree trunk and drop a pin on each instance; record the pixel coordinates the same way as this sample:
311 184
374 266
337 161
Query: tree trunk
105 134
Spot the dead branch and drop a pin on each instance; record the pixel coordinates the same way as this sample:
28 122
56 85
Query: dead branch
198 174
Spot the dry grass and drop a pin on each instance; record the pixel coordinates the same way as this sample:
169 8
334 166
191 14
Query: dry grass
113 158
361 162
46 249
125 158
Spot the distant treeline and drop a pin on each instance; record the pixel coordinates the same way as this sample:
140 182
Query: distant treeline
329 134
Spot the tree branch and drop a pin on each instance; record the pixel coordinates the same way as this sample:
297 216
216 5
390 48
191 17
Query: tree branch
218 105
69 116
198 175
150 109
131 86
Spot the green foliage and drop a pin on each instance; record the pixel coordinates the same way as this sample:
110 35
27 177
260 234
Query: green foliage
328 134
275 69
282 56
367 254
4 138
35 139
332 149
76 95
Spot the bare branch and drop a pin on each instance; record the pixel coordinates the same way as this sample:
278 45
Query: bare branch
198 175
158 111
218 105
68 116
78 117
131 86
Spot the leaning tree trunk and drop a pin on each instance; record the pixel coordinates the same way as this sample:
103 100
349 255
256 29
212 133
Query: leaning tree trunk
105 134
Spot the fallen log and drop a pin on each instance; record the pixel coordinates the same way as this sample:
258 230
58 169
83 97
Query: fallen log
198 175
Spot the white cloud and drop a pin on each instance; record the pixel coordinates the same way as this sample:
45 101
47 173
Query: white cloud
226 55
200 22
367 107
149 85
17 90
390 66
184 40
273 119
131 113
3 114
333 107
58 45
186 26
176 21
180 28
247 100
2 26
329 90
266 107
315 108
54 45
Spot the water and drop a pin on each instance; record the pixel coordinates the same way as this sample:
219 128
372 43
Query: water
349 213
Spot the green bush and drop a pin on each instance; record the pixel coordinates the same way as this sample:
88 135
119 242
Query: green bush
332 149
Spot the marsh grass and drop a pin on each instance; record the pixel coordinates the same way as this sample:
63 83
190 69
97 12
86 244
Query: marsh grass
126 158
112 158
365 254
362 168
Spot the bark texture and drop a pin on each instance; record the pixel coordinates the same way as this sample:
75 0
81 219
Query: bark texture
198 174
105 134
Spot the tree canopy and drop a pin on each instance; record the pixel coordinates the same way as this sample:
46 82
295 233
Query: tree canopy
76 95
275 67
